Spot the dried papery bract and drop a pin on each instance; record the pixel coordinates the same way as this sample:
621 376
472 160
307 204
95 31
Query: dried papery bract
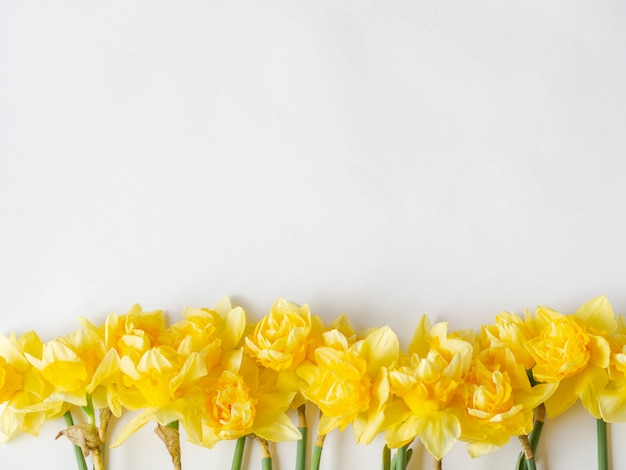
87 437
171 438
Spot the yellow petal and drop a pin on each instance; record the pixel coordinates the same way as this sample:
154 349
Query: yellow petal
235 328
612 403
372 425
327 424
380 349
107 370
562 398
441 430
277 429
599 351
480 448
326 357
598 314
223 306
404 432
420 344
193 368
588 385
537 395
132 426
9 350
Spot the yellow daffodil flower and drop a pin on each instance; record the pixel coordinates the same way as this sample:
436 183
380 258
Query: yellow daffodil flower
131 334
281 340
501 400
351 386
244 399
23 389
511 332
75 365
207 331
429 390
163 384
573 351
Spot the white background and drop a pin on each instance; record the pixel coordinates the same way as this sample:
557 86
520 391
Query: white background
382 159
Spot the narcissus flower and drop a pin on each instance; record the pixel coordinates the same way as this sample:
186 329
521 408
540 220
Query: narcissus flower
23 389
163 384
429 389
207 331
351 386
511 332
131 334
501 400
244 399
75 365
281 340
573 351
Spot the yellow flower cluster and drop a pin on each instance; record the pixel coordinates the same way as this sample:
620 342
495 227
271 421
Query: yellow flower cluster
223 378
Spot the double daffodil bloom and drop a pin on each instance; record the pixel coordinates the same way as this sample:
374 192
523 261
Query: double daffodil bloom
429 390
511 332
75 365
23 390
207 331
350 386
240 399
163 384
573 351
131 334
284 337
501 400
282 340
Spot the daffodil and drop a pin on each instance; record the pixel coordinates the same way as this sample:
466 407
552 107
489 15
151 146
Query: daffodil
207 331
23 390
429 390
351 386
163 384
512 332
75 365
282 339
130 334
244 399
501 400
573 351
339 335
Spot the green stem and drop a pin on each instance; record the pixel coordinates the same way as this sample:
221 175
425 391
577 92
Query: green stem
317 452
89 410
303 428
386 458
78 453
603 453
238 456
401 462
266 463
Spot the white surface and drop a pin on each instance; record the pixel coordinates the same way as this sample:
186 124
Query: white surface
380 159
